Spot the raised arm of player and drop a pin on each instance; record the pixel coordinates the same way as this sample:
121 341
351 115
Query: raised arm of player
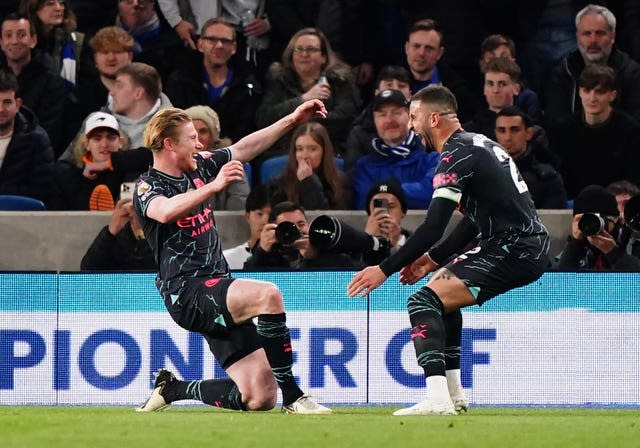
164 209
253 144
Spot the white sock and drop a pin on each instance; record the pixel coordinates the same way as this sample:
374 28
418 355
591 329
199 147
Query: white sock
453 380
437 388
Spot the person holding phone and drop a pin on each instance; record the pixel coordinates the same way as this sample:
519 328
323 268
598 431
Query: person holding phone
386 207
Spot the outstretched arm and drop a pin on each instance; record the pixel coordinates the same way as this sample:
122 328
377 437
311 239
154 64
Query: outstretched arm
253 144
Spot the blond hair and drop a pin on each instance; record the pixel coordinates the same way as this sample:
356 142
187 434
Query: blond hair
164 124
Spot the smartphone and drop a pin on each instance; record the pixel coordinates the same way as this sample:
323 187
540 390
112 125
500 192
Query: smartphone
127 189
381 203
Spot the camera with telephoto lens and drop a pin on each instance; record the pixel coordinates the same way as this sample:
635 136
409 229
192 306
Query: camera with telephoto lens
591 224
287 232
329 234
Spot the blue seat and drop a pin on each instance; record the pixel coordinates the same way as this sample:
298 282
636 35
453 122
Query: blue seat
275 165
11 202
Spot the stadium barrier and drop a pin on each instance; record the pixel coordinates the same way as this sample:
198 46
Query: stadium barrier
569 339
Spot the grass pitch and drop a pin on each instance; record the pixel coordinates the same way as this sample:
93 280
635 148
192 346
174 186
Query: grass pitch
369 427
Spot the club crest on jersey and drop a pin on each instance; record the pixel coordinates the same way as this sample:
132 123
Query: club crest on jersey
143 189
442 179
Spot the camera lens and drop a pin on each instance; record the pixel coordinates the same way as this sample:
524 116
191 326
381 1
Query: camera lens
287 232
590 224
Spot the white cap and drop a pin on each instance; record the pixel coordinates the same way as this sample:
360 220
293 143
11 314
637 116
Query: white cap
100 120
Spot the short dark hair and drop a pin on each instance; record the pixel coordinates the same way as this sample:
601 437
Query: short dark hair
285 207
15 16
145 76
502 65
623 187
426 25
515 111
496 40
393 72
8 82
437 95
217 20
258 198
594 75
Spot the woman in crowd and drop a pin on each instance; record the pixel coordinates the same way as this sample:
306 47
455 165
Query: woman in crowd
207 124
309 69
56 30
311 177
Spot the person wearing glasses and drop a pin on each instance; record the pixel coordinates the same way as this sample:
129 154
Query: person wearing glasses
476 176
217 77
310 70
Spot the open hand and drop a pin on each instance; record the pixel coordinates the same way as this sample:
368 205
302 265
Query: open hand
366 281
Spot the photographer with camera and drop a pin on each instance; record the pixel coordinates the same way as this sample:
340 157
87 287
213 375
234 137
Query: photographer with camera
598 236
284 243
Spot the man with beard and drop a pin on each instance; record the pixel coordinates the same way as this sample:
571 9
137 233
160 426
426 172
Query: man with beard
395 152
595 35
479 178
26 157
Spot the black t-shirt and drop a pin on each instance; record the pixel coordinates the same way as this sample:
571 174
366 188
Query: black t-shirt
478 173
190 246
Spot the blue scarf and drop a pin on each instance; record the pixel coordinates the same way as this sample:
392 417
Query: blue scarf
411 143
69 63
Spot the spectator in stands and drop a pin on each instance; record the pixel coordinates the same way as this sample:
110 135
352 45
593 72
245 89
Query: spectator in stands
216 78
56 30
156 43
92 178
310 69
501 86
120 245
497 46
269 253
257 209
207 124
424 49
596 32
41 90
598 144
363 130
112 49
623 190
396 152
604 250
26 157
311 177
93 16
135 97
514 130
386 206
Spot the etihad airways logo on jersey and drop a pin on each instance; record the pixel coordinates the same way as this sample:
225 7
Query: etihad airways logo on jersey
444 179
199 223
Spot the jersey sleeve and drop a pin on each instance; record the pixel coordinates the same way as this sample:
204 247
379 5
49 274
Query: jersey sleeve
147 189
211 162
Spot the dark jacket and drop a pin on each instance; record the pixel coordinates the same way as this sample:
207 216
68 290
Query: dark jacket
544 182
44 93
120 252
314 194
27 168
580 255
597 154
561 93
236 107
283 93
289 258
74 189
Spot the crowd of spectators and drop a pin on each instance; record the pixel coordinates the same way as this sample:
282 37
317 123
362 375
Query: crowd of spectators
238 66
